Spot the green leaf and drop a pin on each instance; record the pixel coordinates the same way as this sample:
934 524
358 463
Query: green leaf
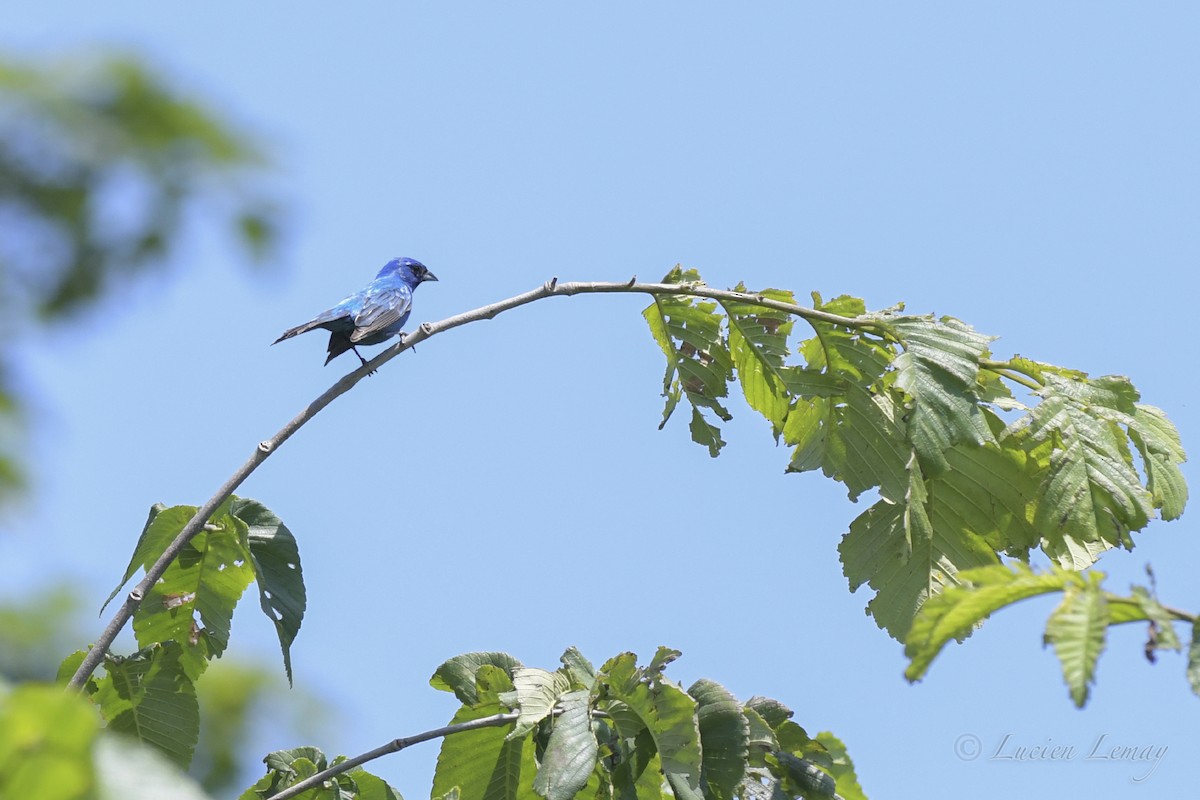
372 787
1091 496
801 777
842 767
578 669
572 751
46 740
275 558
957 611
861 443
1157 441
699 366
485 764
724 739
538 692
877 551
1077 629
458 674
667 713
150 696
151 543
758 347
1193 662
990 491
788 736
200 588
939 372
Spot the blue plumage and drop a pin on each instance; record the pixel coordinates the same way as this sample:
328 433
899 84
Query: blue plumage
372 315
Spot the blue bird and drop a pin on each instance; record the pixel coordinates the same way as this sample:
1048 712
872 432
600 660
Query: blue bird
372 315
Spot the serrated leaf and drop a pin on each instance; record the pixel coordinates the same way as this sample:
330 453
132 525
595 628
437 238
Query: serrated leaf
1091 496
758 347
275 558
955 612
724 739
1077 629
150 696
458 674
863 444
699 365
667 713
537 693
571 752
990 491
578 669
876 551
939 372
485 764
1161 449
200 588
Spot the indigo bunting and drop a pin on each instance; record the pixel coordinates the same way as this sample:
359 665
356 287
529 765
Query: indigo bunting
372 315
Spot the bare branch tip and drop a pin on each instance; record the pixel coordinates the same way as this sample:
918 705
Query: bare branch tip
551 284
632 281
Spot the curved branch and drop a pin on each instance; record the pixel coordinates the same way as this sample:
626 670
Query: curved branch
551 288
394 746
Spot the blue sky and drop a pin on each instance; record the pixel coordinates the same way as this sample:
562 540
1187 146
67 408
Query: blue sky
1029 168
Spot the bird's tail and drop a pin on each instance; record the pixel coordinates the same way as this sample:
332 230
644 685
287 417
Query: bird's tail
290 332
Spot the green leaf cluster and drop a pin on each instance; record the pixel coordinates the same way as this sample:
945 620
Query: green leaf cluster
52 748
916 410
286 768
623 732
1077 628
184 620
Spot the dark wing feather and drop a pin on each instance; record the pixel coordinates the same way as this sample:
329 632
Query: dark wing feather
337 314
381 311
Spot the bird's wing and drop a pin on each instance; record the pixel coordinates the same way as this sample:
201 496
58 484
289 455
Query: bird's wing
382 309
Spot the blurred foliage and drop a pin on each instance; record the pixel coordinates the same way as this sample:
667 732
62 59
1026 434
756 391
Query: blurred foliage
100 161
237 698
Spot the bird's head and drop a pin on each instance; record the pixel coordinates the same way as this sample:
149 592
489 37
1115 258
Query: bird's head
412 271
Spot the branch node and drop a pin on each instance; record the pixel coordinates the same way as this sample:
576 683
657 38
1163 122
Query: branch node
550 284
136 595
427 328
632 281
264 447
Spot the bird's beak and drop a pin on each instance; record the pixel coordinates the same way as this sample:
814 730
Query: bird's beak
429 276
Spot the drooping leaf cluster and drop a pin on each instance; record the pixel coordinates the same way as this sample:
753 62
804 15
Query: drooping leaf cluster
184 620
623 732
1077 628
916 409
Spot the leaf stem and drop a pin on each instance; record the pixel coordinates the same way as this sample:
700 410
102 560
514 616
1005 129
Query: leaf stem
1007 369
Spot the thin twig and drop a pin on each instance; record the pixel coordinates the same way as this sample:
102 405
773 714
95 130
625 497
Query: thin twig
551 288
394 746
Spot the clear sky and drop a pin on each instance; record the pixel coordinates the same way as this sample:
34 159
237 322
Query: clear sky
1028 167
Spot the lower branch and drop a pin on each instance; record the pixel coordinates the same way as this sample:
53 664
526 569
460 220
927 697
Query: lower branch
394 746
